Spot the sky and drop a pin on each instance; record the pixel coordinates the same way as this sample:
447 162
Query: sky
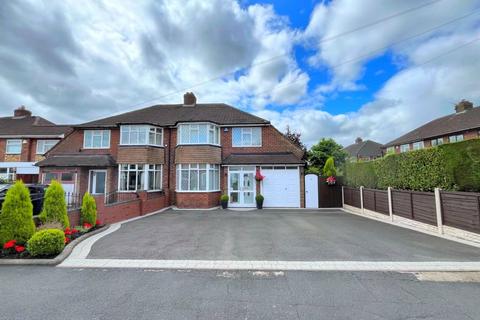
342 69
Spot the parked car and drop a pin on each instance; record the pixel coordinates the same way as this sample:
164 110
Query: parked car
37 192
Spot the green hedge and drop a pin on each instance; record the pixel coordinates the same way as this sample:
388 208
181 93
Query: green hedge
453 166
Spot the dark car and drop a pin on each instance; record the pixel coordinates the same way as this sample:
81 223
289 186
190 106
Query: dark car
37 192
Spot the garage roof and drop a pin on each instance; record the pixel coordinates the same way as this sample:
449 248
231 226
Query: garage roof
263 158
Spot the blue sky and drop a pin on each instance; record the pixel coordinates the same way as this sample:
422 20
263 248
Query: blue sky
334 69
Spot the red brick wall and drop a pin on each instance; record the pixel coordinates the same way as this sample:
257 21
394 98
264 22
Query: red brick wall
197 199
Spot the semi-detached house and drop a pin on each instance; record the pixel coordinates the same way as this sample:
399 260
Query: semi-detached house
188 154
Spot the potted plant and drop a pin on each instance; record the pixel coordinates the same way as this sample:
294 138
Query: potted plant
259 199
224 201
330 171
258 175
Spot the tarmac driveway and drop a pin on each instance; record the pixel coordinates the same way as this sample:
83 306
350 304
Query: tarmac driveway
280 235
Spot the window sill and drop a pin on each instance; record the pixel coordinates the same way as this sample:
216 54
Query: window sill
246 146
202 191
140 145
198 144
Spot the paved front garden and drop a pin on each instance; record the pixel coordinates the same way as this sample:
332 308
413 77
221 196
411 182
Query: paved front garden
274 235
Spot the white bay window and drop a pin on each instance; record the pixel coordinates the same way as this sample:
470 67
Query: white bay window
198 177
141 135
136 177
198 133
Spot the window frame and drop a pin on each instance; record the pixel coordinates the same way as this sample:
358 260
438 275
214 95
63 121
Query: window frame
434 142
242 133
403 145
145 176
9 141
9 174
214 168
421 145
456 138
211 128
93 131
149 129
42 143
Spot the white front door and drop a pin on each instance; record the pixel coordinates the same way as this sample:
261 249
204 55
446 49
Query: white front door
241 186
97 181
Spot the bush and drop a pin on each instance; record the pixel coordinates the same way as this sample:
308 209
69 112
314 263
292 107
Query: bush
454 166
54 205
46 242
89 210
329 169
224 198
16 217
259 198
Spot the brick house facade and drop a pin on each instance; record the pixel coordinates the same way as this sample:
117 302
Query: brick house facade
24 139
198 151
464 124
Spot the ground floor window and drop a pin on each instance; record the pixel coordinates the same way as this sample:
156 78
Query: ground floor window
134 177
198 177
7 174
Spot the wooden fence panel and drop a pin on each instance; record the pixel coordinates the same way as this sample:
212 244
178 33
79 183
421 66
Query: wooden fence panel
424 207
369 199
330 196
402 203
352 196
381 201
461 210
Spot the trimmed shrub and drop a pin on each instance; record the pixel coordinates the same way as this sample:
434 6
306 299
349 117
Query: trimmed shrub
46 242
224 198
454 166
16 217
329 169
54 205
89 210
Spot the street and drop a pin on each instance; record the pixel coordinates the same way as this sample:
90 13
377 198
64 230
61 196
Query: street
64 293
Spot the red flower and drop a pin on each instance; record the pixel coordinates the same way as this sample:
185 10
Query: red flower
74 231
19 249
9 244
98 222
67 240
87 225
68 231
331 180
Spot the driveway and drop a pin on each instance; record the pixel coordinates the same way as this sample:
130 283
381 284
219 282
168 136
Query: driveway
274 235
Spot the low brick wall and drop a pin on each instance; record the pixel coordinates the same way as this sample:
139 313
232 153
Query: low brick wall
74 217
197 199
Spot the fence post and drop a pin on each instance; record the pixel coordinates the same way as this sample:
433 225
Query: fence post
390 203
361 199
343 198
438 208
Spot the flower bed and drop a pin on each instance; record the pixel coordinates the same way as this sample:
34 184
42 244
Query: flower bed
14 250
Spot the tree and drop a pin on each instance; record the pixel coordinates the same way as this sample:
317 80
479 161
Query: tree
325 148
329 168
54 205
16 217
295 138
89 210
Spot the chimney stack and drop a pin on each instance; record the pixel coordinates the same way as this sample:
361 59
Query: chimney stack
21 112
189 99
463 105
358 140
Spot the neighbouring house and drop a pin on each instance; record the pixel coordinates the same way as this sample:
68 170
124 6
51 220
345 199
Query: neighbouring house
187 154
364 150
24 139
464 124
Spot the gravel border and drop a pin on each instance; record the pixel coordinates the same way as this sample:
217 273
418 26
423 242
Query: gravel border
58 259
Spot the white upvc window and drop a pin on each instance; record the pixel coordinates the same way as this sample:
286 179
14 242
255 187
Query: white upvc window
418 145
14 146
198 133
405 148
96 139
455 138
44 145
436 142
141 135
197 177
247 137
7 174
135 177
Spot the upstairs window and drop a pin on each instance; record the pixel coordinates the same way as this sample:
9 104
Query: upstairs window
404 148
45 145
141 135
14 146
436 142
198 133
247 137
456 138
96 139
418 145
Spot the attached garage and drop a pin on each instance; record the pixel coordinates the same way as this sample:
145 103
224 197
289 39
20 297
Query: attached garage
281 186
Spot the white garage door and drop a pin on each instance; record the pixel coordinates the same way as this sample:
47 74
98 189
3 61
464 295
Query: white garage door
281 187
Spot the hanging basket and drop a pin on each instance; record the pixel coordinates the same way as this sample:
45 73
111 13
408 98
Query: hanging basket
258 175
331 181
